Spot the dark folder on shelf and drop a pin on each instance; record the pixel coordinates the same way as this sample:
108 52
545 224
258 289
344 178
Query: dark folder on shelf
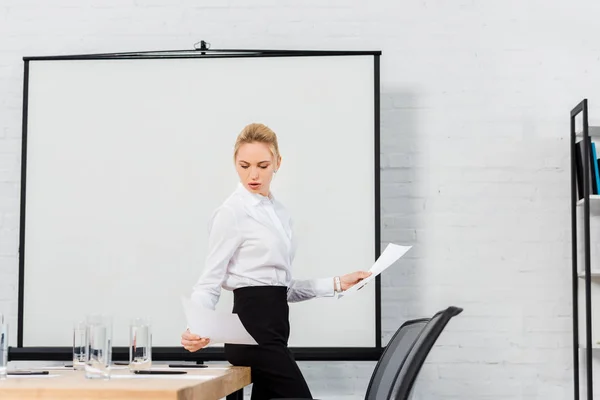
579 161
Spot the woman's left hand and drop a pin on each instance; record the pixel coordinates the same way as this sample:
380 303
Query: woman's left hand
352 279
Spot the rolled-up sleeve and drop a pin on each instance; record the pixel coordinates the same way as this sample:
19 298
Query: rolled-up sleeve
223 242
300 290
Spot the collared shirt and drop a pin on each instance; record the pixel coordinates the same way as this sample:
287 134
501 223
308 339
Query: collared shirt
251 243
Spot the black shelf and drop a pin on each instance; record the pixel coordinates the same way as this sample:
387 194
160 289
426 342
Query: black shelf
587 274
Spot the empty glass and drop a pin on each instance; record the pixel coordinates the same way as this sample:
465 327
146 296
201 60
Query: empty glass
140 344
98 349
3 347
79 344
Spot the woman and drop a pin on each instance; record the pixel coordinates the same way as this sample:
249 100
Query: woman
250 251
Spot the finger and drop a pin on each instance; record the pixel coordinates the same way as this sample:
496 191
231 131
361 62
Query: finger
190 336
195 342
190 342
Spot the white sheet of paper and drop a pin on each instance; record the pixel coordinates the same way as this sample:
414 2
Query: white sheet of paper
390 255
218 326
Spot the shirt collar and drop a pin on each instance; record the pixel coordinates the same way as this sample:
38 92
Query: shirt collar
254 198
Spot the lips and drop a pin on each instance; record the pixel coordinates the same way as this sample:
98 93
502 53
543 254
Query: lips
254 185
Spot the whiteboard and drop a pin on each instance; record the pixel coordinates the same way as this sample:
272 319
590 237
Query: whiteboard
128 158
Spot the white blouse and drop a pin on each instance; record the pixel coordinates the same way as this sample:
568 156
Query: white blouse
251 243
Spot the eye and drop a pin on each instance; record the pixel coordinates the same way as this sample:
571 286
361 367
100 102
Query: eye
244 166
263 166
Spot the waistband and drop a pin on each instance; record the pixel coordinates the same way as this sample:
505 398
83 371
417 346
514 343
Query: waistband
260 291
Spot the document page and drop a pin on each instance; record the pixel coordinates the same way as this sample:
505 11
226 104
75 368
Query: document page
390 255
219 327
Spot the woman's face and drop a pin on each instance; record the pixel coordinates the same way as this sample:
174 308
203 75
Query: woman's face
255 165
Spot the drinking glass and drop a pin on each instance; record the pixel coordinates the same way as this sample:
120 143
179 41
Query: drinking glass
3 347
79 345
140 344
98 349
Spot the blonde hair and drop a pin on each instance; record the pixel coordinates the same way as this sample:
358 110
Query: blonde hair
260 133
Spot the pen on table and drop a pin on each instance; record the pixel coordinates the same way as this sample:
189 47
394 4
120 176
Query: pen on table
27 373
188 366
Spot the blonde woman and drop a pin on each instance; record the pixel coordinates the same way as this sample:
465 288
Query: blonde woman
250 251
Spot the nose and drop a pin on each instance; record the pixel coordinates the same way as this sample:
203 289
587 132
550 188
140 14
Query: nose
253 172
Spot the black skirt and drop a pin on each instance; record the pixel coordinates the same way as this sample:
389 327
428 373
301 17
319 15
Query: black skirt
264 312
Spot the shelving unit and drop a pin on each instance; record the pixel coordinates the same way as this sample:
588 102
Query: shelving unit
594 204
594 200
593 131
587 276
594 274
595 347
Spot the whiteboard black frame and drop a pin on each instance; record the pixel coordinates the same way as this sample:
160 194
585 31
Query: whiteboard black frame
209 354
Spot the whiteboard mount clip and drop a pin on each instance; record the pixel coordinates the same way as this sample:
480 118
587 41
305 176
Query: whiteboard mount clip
203 46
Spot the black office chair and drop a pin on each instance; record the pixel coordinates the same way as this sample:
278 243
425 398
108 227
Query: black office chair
392 359
402 359
407 374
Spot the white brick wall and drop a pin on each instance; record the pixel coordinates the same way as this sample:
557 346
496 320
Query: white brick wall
475 101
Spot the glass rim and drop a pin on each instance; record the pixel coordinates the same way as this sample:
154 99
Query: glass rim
140 321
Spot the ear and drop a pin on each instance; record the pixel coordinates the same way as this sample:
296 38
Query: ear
278 164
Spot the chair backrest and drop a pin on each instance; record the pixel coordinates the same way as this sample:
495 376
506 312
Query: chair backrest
392 359
409 370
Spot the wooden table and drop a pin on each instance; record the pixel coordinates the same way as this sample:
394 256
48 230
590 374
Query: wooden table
198 384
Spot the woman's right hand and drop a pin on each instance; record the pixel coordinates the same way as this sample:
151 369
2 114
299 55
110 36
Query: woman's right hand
192 342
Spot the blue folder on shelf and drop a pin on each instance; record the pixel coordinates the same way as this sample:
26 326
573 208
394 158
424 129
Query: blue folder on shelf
594 162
